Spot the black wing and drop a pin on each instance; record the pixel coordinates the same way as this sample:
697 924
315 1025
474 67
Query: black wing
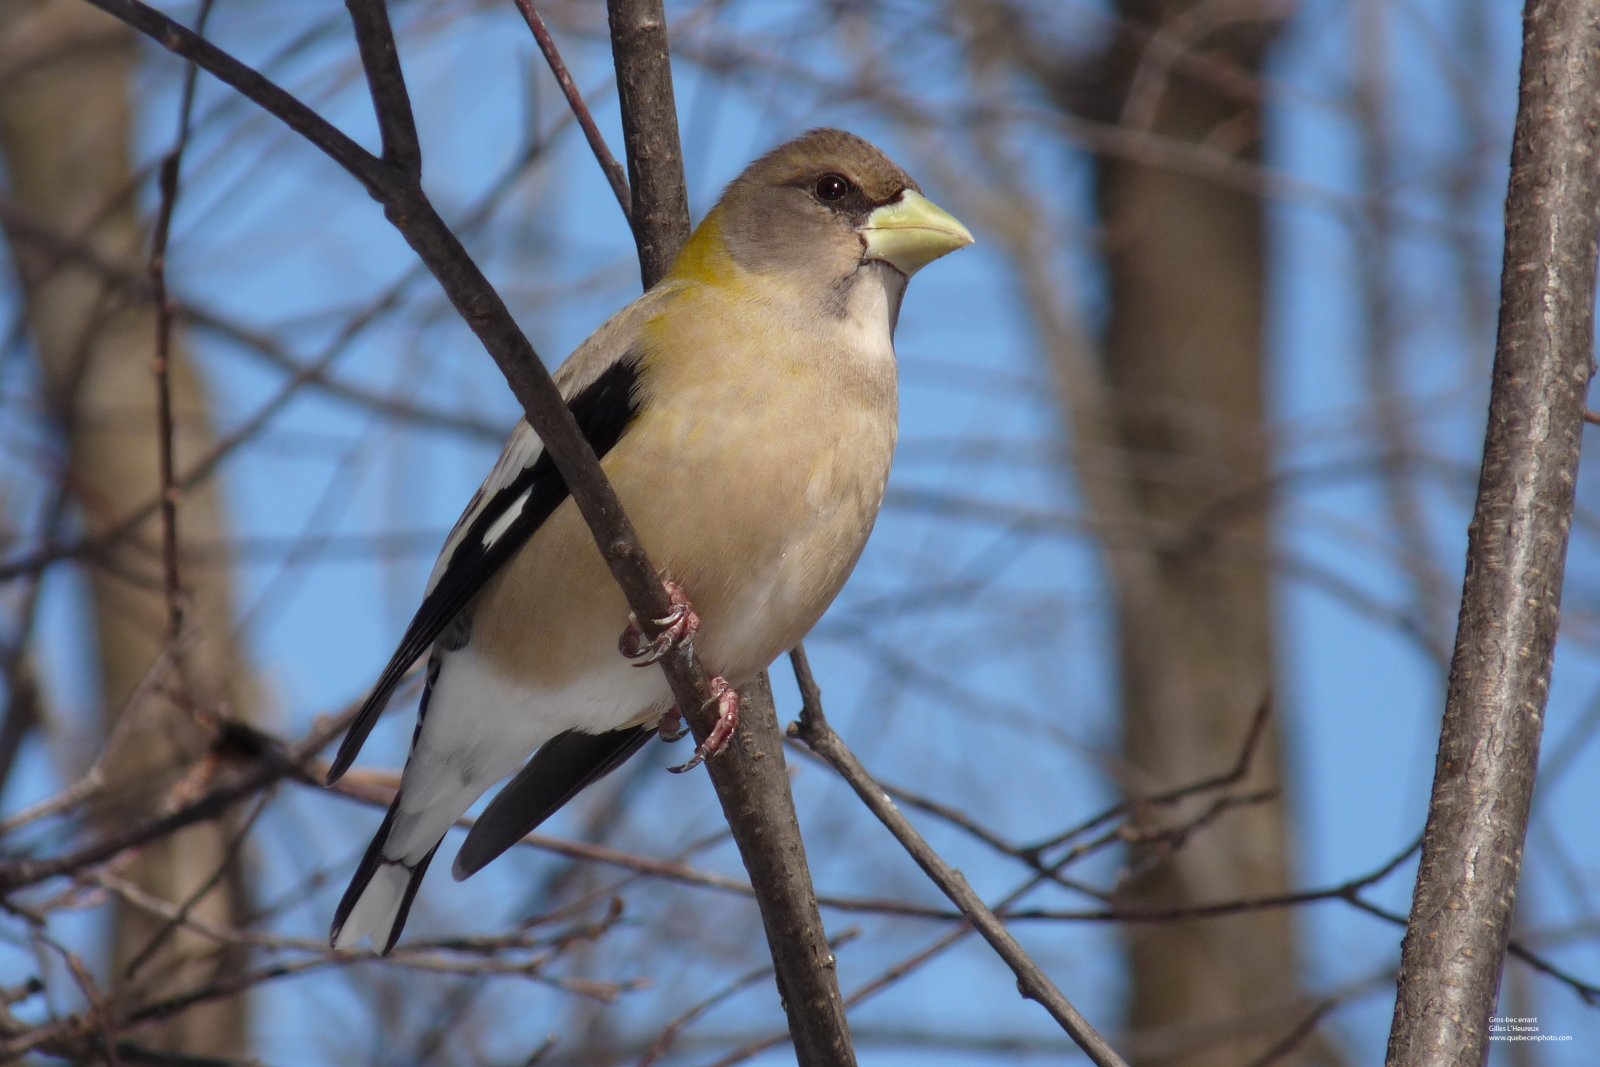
561 768
503 521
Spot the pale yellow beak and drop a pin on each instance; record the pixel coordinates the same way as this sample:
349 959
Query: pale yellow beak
912 232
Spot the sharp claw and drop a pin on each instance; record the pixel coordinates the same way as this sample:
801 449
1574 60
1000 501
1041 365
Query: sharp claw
677 629
684 768
726 699
648 656
671 618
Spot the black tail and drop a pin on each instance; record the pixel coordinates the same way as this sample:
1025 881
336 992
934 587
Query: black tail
561 768
388 887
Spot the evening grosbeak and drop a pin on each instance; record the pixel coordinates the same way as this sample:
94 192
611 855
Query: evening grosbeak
744 408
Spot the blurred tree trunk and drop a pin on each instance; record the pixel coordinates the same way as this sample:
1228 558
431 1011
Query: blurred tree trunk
1184 257
66 125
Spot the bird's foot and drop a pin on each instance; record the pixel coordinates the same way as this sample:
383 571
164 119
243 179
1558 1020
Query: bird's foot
678 627
671 727
726 699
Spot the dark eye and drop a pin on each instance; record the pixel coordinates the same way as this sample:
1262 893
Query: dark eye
831 187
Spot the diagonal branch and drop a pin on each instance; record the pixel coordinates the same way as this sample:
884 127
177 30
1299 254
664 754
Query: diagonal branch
580 110
1032 982
481 308
252 84
413 215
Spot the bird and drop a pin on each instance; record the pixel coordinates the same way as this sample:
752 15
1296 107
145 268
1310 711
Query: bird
745 409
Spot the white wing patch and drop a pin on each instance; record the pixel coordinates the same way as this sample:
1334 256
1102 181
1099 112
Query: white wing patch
522 451
507 517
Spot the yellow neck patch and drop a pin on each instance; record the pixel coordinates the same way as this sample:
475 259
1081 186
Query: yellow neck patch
705 259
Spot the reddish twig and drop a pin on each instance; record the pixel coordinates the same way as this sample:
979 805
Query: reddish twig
171 168
580 110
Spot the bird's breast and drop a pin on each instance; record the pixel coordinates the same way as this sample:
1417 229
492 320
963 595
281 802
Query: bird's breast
771 477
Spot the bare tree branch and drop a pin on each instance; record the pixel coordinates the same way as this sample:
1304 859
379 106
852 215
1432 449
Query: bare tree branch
660 215
391 102
1516 554
181 41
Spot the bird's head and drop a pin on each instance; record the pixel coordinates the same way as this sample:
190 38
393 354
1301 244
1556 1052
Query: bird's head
818 209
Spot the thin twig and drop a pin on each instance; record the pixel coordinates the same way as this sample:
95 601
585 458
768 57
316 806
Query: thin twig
171 169
1032 982
230 858
580 110
1234 774
102 1009
268 762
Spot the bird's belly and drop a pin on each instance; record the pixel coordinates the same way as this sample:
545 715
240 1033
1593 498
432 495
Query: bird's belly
483 719
763 544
